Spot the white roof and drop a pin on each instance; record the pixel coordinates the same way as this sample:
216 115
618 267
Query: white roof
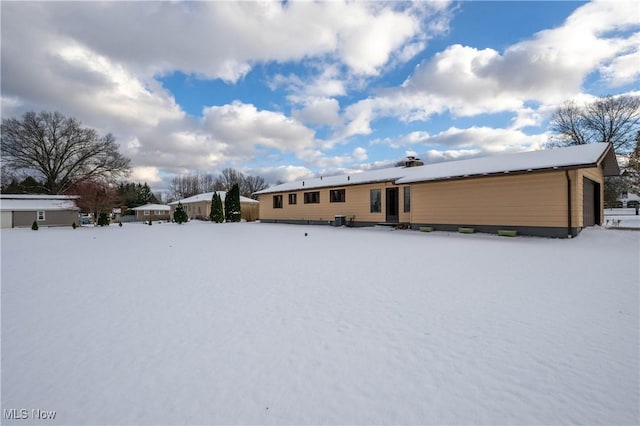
26 204
370 176
548 159
37 197
207 197
163 207
558 158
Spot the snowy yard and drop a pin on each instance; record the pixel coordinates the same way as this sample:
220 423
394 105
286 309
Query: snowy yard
259 324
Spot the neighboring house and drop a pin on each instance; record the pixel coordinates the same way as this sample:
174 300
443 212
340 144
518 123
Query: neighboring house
47 210
199 206
554 192
151 212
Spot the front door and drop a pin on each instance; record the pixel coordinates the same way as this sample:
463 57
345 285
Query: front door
391 204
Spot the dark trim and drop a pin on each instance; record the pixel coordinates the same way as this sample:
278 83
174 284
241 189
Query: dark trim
568 203
354 224
533 231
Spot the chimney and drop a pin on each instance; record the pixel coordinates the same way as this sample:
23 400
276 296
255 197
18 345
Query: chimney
412 161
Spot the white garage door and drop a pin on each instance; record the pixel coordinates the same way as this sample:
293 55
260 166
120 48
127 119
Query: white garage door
6 220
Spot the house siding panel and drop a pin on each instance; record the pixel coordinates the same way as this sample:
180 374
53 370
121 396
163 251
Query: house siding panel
356 205
535 199
595 174
52 218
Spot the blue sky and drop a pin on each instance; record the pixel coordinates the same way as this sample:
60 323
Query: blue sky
293 90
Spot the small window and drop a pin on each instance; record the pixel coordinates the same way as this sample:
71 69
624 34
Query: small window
41 216
147 212
407 199
337 196
311 197
277 201
293 198
376 200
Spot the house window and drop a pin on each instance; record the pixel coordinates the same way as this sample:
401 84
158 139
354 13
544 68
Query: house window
376 200
147 212
407 199
311 197
158 212
336 196
277 201
41 216
293 198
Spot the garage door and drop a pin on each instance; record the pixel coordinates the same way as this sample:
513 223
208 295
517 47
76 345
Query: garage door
6 220
591 203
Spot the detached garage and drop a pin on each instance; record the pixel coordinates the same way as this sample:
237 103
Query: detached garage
47 210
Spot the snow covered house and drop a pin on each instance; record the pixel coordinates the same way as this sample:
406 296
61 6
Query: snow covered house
153 212
18 210
199 206
554 192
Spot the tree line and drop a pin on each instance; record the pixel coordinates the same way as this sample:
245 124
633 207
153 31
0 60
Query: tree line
185 186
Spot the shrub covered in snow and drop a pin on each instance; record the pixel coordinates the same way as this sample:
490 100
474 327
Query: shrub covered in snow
232 204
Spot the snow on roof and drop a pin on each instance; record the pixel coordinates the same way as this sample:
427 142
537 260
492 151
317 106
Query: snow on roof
569 157
30 204
370 176
558 158
162 207
207 197
37 197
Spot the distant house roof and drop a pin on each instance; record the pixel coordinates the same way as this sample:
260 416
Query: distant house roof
207 197
550 159
30 202
161 207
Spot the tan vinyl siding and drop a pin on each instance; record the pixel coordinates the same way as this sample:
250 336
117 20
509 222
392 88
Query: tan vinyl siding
535 199
595 174
357 203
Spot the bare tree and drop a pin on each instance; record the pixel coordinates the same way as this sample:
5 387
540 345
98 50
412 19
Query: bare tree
188 185
252 184
184 186
59 150
95 196
611 119
632 171
228 177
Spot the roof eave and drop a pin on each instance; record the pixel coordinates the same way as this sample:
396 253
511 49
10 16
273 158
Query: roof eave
609 162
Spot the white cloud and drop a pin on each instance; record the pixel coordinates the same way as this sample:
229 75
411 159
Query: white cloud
286 173
359 153
319 111
242 127
455 143
145 174
547 69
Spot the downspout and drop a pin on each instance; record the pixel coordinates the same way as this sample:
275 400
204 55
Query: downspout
568 204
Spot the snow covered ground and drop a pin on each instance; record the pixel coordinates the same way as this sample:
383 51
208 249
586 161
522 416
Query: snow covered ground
626 216
259 324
